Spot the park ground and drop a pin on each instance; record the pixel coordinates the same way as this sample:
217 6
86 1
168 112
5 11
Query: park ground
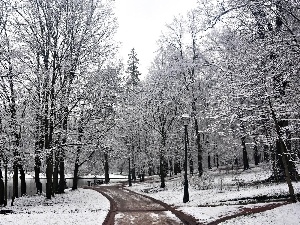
219 197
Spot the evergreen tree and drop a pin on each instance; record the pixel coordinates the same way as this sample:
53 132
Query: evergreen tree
132 69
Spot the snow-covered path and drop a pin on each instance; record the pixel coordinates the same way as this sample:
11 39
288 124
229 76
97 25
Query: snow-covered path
133 208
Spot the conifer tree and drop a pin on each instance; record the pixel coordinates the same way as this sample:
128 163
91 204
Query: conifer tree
132 69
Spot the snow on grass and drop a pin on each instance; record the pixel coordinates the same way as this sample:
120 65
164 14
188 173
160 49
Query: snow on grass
288 214
82 206
209 201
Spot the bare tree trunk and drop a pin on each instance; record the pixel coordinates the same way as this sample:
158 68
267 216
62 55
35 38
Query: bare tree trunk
76 168
106 168
245 154
23 182
75 178
283 152
55 173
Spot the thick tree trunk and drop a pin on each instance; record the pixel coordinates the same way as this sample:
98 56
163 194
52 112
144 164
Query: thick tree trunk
15 181
61 186
208 161
75 178
23 181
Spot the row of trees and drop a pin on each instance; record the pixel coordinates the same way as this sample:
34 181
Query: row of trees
59 84
234 67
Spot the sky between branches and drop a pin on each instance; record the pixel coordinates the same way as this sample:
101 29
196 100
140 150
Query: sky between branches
141 23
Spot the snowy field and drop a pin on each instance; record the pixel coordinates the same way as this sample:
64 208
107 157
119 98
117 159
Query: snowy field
82 206
217 195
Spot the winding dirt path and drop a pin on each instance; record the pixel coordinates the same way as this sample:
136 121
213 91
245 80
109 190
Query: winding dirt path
128 207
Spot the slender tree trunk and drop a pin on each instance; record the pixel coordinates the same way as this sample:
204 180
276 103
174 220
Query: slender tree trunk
133 164
245 154
38 146
5 181
256 155
76 168
162 170
200 150
162 161
55 173
106 168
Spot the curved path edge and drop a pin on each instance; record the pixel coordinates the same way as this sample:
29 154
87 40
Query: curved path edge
186 219
249 211
110 217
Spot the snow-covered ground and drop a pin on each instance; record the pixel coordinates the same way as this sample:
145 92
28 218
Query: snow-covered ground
82 206
216 195
283 215
213 196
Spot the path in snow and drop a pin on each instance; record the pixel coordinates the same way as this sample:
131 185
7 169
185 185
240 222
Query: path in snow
132 208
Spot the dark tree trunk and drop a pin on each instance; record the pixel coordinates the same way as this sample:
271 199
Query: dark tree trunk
23 182
75 178
62 182
289 167
5 182
217 160
163 170
256 155
106 168
208 162
199 148
76 168
55 175
163 164
61 186
15 135
15 181
37 169
245 154
266 153
2 189
294 176
171 167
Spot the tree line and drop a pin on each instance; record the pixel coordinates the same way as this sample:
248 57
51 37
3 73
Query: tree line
59 79
233 66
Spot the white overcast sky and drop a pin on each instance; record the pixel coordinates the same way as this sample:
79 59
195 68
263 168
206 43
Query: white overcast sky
141 23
